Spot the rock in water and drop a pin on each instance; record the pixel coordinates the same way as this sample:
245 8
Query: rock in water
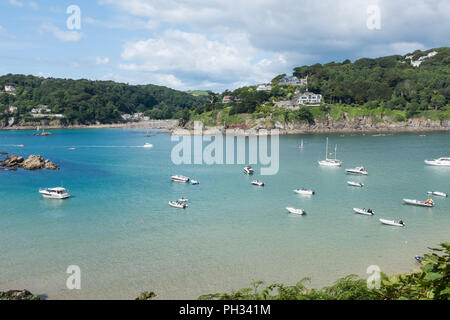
12 161
50 165
33 162
18 295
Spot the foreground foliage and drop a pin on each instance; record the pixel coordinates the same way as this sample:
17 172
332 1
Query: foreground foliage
432 281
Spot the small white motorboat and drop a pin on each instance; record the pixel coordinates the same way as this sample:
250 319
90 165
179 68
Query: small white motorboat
306 192
299 212
258 183
395 223
55 193
355 184
179 178
438 193
367 212
71 148
148 145
177 204
195 182
443 162
183 200
248 170
357 170
428 203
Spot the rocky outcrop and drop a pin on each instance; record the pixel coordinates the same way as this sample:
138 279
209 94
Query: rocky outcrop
33 162
18 295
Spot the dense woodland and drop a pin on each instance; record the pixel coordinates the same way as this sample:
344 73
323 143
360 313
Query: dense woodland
86 102
388 83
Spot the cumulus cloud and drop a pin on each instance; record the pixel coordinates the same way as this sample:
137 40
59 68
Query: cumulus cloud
234 41
99 60
16 3
62 35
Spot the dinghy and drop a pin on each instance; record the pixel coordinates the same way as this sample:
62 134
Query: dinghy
258 183
367 212
179 178
438 193
195 182
248 170
392 222
299 212
177 204
306 192
428 203
357 170
355 184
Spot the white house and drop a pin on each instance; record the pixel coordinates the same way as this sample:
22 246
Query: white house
227 99
11 109
40 110
264 87
126 116
10 88
290 80
309 97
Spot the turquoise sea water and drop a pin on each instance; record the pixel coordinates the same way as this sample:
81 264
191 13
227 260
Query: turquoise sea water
119 229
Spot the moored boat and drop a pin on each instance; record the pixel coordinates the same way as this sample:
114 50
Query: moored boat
307 192
248 170
355 184
444 161
258 183
367 212
147 145
55 193
179 178
177 204
195 182
426 203
357 170
395 223
438 193
330 162
299 212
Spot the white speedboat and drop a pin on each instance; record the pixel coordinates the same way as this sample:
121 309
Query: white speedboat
355 184
367 212
395 223
330 162
438 193
445 162
258 183
148 145
248 170
55 193
357 170
180 178
183 200
299 212
306 192
177 204
195 182
427 203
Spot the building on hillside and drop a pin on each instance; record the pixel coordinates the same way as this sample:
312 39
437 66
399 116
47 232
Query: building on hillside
10 88
309 97
290 81
264 87
41 110
12 109
227 99
126 116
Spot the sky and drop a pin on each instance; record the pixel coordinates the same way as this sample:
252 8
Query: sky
208 44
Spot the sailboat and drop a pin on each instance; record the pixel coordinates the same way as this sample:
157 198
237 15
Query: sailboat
301 145
330 162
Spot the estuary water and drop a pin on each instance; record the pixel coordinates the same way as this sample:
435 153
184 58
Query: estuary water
118 228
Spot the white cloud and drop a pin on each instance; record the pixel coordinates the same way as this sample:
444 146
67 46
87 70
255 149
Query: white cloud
65 36
16 3
99 60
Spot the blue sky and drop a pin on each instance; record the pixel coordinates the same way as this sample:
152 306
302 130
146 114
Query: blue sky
209 44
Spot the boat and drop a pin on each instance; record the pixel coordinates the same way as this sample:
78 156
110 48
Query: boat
395 223
306 192
195 182
367 212
148 145
301 145
357 170
299 212
179 178
444 162
426 203
177 204
248 170
71 148
55 193
419 258
438 193
258 183
330 162
182 199
355 184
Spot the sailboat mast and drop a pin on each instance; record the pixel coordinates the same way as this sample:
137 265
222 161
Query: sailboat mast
335 152
326 151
